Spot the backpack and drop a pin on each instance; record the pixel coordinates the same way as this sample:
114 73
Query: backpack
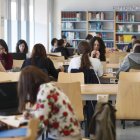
102 124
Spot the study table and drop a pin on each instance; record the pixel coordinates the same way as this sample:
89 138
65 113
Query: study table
90 91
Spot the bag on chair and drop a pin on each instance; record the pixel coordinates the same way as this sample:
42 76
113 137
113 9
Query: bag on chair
102 124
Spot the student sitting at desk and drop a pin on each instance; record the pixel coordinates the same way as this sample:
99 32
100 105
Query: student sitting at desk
21 46
132 60
52 106
5 58
39 58
84 61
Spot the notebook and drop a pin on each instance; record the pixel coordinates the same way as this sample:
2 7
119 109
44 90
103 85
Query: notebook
20 132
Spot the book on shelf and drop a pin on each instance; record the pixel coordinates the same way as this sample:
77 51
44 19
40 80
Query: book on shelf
125 17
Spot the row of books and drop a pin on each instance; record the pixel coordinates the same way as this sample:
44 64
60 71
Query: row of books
96 15
96 26
123 38
125 17
109 44
71 16
67 25
71 35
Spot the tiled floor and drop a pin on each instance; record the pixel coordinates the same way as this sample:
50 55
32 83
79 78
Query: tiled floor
131 132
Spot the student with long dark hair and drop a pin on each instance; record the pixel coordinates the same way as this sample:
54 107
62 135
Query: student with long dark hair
51 105
21 46
98 48
84 61
39 59
5 58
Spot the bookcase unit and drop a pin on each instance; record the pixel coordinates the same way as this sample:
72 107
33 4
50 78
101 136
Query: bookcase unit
115 27
73 26
127 24
102 24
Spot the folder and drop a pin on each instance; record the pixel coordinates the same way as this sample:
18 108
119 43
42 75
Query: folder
19 132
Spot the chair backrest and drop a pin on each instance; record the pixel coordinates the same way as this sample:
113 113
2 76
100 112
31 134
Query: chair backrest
32 130
2 68
57 58
116 57
90 77
17 63
127 101
9 76
73 91
71 77
129 76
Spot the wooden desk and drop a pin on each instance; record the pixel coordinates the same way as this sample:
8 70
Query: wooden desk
90 91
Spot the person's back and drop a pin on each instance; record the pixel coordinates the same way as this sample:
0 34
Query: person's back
52 106
132 60
39 59
62 49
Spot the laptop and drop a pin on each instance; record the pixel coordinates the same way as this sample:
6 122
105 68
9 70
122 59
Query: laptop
18 56
8 98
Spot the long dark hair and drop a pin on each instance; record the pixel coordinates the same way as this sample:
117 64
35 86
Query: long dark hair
21 41
101 47
30 79
4 45
84 49
38 51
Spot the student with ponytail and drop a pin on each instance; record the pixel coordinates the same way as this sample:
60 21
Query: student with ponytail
84 61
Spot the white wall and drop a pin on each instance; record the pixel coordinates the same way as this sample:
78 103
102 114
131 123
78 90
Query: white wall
41 24
60 5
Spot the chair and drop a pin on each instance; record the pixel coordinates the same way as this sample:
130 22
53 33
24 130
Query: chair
17 63
116 57
57 58
127 101
2 68
73 91
9 76
129 76
71 77
32 130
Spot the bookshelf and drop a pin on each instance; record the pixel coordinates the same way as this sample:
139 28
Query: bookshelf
73 26
102 23
115 27
127 24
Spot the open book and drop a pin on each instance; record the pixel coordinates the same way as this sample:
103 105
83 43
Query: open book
14 121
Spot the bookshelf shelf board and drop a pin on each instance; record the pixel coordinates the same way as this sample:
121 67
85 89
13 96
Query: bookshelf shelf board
123 43
77 39
73 30
101 20
127 22
80 21
108 40
106 31
131 33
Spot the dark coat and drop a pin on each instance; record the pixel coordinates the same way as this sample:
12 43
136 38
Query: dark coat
44 64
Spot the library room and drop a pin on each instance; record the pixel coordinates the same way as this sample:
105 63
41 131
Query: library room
69 70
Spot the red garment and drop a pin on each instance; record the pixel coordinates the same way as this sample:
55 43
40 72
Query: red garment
6 60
